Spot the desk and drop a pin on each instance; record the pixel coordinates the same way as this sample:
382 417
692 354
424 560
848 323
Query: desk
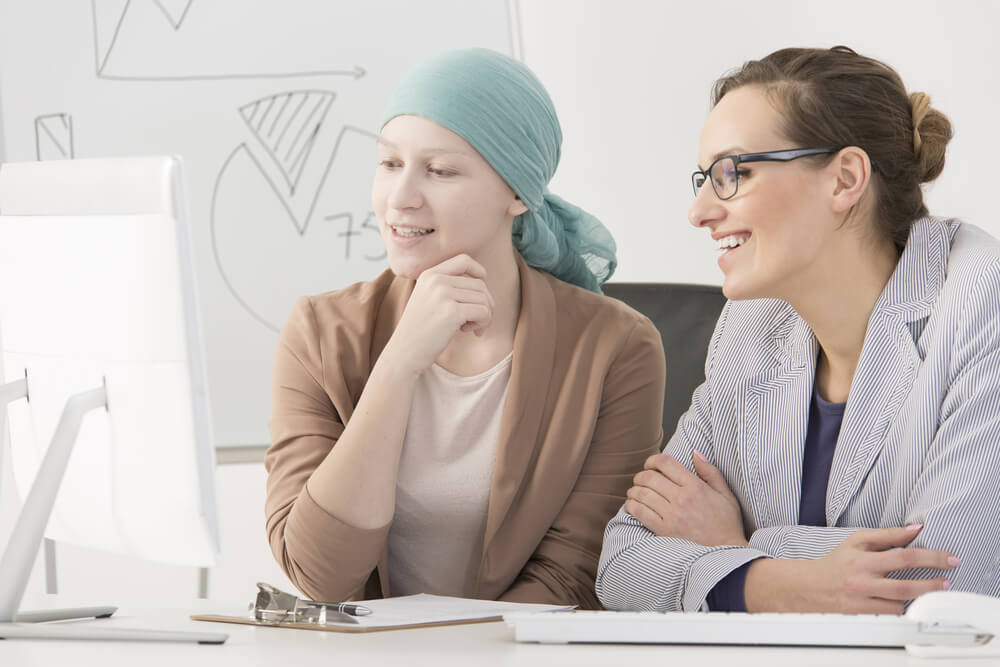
485 644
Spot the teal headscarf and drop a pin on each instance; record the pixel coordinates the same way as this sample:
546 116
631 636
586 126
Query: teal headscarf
498 106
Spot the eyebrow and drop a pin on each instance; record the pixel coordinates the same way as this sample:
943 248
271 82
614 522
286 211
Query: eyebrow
433 151
734 150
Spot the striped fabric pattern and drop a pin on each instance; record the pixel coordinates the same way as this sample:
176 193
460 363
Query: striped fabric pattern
920 441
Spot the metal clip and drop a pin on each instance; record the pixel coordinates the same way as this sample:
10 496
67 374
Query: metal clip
274 606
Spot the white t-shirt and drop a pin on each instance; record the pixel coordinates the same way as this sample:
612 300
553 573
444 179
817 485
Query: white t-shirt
443 486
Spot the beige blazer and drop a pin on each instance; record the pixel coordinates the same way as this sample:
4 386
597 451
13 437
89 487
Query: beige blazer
582 413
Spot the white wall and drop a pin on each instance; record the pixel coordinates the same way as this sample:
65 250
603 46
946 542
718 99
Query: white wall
631 83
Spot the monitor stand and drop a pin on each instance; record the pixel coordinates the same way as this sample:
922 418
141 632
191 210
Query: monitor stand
25 540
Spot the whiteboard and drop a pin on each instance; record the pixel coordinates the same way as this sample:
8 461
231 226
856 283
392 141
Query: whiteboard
272 105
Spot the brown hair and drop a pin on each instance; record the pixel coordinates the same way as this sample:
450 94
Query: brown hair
834 98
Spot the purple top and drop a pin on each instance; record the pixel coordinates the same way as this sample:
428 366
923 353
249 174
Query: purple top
821 441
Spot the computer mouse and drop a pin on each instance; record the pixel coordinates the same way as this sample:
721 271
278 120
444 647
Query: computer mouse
957 608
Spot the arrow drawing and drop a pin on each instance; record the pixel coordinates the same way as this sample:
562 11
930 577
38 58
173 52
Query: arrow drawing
173 40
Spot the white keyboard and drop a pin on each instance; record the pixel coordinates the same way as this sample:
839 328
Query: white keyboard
735 628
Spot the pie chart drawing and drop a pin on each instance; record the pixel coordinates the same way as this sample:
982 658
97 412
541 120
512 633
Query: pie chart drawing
291 212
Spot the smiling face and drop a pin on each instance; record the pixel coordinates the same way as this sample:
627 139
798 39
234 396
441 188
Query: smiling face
775 230
436 197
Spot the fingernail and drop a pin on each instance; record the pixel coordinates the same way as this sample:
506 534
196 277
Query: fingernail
946 585
953 561
699 456
915 526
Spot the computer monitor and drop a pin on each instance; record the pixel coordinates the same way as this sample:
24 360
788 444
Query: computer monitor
103 369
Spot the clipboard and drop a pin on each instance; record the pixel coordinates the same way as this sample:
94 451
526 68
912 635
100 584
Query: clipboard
276 609
336 627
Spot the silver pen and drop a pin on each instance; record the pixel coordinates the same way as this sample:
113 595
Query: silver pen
345 607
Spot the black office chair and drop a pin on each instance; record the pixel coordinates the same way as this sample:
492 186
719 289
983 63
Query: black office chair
686 316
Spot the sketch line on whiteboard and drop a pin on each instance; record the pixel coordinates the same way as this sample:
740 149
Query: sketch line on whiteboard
350 232
116 15
357 72
99 62
367 224
176 12
256 114
215 244
301 225
346 235
54 136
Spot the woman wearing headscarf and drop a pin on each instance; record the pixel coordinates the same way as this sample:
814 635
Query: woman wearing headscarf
467 422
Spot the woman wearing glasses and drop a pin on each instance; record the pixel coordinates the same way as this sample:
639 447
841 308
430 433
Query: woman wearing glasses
466 423
835 458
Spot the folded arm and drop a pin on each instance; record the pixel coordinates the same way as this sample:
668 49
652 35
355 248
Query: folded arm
641 570
952 509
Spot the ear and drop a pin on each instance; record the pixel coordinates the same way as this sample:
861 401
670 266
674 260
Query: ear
852 172
517 207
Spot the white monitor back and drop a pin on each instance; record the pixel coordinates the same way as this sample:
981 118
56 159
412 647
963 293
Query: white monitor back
97 284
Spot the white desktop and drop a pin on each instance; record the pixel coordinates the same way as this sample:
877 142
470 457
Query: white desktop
102 358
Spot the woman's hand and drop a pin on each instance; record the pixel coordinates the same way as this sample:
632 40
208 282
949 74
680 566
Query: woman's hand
851 579
448 298
671 501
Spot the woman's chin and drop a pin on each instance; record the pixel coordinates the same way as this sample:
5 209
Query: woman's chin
740 289
735 290
407 267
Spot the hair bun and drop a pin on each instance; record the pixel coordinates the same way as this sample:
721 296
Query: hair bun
931 134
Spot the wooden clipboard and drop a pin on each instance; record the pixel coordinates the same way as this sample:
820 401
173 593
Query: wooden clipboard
352 629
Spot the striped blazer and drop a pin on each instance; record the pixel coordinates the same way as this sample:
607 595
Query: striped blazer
919 439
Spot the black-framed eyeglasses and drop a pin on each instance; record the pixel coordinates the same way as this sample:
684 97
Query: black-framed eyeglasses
724 173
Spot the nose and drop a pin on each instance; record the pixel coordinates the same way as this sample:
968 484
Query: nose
405 190
707 207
